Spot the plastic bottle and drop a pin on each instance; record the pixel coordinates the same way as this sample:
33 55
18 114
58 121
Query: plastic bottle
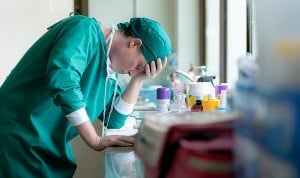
163 99
179 104
198 107
223 101
211 103
220 88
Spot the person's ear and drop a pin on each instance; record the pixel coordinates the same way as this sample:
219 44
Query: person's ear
135 42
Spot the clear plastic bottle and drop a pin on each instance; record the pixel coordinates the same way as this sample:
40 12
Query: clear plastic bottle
178 104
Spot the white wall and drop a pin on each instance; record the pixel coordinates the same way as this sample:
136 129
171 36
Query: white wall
115 11
236 36
112 11
213 38
188 35
22 22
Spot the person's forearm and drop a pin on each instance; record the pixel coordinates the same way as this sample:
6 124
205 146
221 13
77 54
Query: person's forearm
131 93
88 133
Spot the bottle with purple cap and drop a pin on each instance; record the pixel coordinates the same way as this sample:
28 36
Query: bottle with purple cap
163 99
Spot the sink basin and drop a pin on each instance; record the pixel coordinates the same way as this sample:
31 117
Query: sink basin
139 115
146 106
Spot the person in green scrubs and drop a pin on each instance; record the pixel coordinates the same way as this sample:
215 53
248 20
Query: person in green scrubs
64 82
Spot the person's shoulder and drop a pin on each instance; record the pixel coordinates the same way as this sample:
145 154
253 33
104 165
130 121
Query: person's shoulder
74 21
81 19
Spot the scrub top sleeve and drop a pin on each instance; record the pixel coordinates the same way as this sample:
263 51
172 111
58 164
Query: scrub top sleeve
123 107
68 58
117 119
78 117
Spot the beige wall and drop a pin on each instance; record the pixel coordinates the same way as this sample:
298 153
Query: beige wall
22 22
89 162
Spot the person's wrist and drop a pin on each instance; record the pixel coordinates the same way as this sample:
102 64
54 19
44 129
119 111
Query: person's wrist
102 142
98 144
137 79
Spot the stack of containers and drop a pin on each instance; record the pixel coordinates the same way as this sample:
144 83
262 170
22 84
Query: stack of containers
245 104
200 89
269 125
278 39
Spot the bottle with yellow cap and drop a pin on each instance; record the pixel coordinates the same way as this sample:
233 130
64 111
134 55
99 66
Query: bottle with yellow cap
211 103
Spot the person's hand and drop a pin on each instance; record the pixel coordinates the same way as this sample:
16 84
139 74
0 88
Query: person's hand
113 140
152 69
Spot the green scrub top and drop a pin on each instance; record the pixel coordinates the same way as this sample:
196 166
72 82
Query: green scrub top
63 71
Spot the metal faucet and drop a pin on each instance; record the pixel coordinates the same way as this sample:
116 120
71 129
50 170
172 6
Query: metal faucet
184 74
206 78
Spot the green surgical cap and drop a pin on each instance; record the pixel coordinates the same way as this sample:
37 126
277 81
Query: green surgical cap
155 41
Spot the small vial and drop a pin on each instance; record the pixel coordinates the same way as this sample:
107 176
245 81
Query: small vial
163 99
197 107
223 101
